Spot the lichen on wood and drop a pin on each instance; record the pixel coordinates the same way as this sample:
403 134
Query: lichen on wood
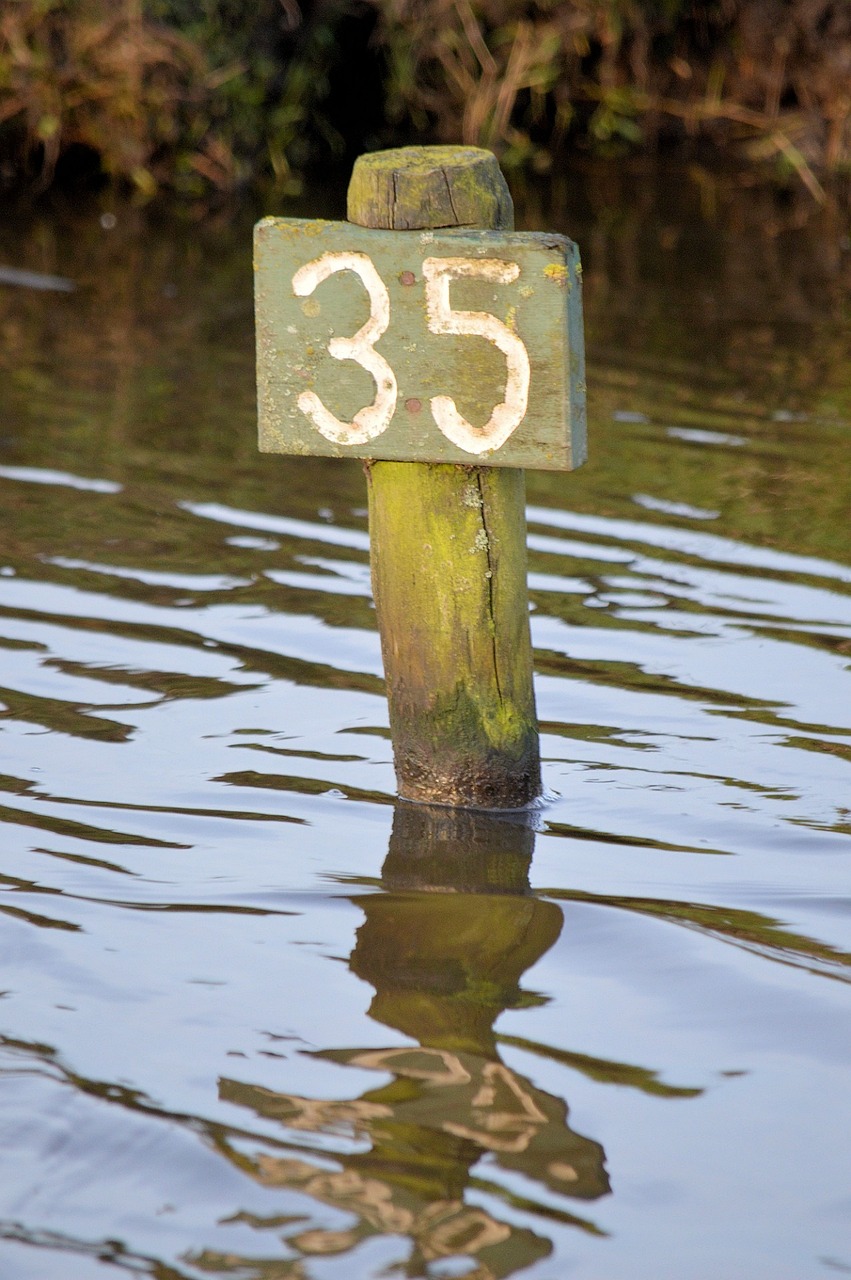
414 188
449 576
449 549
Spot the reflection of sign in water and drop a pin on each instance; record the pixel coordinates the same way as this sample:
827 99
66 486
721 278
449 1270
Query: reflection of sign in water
432 346
440 1114
488 1104
444 966
444 949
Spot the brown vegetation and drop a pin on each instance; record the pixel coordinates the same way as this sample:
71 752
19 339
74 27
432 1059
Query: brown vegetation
93 75
772 77
222 91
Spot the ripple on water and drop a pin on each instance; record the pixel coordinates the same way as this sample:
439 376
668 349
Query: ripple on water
259 1018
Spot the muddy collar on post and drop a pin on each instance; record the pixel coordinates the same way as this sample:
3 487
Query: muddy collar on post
446 405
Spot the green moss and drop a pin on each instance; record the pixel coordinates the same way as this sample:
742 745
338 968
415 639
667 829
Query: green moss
449 572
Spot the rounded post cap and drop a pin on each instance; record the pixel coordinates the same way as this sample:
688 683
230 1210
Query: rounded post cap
419 188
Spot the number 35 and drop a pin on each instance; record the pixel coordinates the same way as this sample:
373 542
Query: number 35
438 274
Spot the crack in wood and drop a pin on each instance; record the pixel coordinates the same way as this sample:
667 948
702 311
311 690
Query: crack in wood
489 575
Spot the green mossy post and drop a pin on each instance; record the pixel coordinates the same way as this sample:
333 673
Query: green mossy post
449 546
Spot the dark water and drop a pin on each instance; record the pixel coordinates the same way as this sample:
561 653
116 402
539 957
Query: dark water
259 1021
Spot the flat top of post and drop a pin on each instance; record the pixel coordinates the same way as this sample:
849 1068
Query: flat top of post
417 188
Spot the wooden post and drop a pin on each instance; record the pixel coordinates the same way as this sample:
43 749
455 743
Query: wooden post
449 546
427 337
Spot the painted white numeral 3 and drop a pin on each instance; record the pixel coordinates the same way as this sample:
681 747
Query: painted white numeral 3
506 417
370 421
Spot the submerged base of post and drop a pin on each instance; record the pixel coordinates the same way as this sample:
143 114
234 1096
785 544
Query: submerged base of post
449 547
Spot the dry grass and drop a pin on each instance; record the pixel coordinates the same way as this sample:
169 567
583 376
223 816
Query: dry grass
766 79
98 75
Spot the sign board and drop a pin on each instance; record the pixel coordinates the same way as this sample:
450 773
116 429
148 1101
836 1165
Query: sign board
419 346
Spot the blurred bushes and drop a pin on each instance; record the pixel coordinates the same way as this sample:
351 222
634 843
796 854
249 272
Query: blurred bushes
771 78
201 94
188 94
96 78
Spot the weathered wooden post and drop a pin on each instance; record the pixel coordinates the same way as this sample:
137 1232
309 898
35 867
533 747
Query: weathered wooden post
447 405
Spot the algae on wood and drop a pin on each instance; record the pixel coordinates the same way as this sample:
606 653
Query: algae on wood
449 548
462 310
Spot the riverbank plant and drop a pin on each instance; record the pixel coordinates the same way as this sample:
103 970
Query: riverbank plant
202 95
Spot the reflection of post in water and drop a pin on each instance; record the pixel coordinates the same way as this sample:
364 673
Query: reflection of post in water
445 948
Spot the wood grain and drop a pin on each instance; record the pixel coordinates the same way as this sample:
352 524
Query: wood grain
535 302
449 550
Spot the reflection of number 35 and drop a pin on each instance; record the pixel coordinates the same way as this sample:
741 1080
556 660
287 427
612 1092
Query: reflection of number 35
374 418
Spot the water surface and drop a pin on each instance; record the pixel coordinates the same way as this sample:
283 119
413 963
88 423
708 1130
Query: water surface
260 1020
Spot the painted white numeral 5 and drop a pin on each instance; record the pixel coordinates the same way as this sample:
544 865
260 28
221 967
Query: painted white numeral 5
370 421
506 417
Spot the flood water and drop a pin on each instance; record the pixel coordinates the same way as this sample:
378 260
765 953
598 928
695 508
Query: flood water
261 1021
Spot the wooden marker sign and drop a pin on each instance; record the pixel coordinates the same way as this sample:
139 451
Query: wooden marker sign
430 346
426 337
